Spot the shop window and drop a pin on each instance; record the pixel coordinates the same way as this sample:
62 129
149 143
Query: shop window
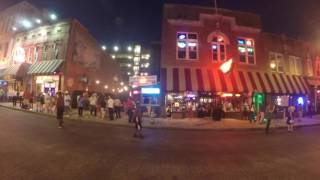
218 46
246 50
187 46
296 65
276 62
309 66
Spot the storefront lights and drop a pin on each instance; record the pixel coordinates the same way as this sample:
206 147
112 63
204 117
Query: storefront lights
103 47
300 101
14 28
226 67
129 48
273 65
97 82
106 86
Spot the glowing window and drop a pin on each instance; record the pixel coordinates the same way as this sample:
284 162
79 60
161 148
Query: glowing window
187 46
218 45
246 50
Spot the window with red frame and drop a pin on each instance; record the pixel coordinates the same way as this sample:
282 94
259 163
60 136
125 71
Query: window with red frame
187 46
246 50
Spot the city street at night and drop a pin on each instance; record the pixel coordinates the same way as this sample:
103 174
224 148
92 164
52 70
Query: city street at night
33 147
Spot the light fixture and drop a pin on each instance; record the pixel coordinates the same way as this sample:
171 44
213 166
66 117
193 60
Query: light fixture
103 47
106 86
129 73
273 65
53 17
182 36
192 44
14 28
129 65
129 48
116 48
113 56
122 83
38 21
97 82
26 24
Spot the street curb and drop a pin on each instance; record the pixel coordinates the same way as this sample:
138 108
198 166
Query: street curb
161 128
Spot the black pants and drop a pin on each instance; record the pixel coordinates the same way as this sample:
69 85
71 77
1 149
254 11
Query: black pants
60 111
80 111
93 110
130 115
268 125
111 113
118 112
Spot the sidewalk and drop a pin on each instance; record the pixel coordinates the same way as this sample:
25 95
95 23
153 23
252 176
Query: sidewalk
187 123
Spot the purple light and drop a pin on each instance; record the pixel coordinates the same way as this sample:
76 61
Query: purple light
214 47
182 36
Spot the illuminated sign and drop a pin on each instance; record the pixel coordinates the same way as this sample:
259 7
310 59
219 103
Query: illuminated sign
150 90
226 67
18 55
138 81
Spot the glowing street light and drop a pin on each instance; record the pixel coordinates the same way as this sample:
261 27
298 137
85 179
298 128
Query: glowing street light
97 82
38 21
103 47
116 48
53 17
129 48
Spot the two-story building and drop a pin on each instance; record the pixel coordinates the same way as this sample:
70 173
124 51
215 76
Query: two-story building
225 58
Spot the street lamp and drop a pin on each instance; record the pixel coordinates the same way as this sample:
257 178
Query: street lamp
129 48
116 48
53 17
103 47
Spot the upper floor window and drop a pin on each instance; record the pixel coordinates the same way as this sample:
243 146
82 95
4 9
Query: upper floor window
276 62
218 46
246 50
317 66
187 46
296 65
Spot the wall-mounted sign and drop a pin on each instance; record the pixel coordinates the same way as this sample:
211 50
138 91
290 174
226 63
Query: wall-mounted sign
150 90
226 67
138 81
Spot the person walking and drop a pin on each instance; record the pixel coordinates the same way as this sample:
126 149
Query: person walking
117 108
38 103
138 121
102 104
93 104
290 118
81 102
60 108
130 105
67 103
110 104
14 100
269 115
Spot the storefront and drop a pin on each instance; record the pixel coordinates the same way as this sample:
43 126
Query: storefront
46 77
234 91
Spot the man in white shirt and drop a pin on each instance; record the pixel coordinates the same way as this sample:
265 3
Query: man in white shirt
110 104
93 104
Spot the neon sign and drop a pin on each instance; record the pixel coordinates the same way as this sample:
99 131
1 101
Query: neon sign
226 67
150 90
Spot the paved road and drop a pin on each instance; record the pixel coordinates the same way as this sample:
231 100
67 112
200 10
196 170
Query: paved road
32 147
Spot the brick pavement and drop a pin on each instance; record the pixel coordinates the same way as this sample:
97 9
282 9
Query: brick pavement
187 123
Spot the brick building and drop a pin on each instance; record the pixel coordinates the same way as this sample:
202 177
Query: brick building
225 57
60 56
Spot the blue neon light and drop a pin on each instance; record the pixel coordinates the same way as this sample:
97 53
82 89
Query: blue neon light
150 90
301 100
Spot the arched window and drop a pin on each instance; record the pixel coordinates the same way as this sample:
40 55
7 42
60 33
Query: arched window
219 48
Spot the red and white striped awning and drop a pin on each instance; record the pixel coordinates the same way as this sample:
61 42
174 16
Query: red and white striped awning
213 80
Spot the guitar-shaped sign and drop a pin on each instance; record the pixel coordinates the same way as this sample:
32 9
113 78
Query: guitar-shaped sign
226 66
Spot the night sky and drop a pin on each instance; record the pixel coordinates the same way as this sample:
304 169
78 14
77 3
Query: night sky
125 21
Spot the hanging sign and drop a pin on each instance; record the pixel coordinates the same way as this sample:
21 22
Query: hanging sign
226 67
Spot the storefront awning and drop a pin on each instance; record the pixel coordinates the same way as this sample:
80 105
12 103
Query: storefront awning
213 80
45 67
